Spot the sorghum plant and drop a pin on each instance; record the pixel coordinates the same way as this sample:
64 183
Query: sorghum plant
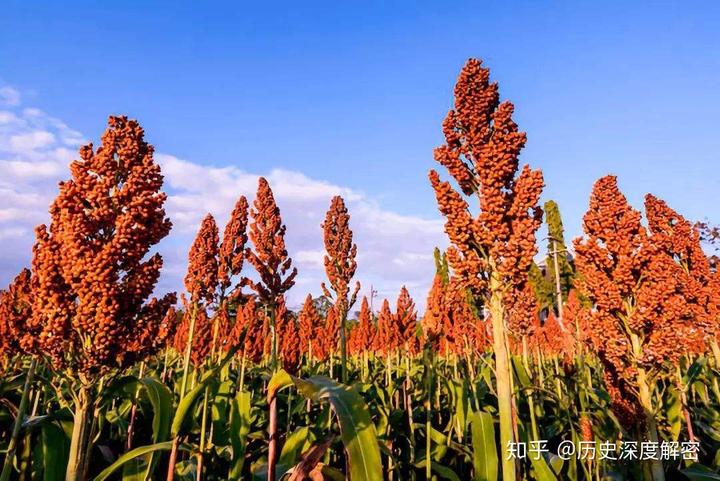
91 272
17 338
274 267
308 327
201 282
340 268
491 252
640 313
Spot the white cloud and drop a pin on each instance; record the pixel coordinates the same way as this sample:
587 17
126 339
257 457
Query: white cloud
9 96
393 249
30 141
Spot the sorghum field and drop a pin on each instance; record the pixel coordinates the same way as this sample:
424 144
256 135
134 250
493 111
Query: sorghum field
534 358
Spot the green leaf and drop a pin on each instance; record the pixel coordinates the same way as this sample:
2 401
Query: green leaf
130 455
441 470
161 399
210 378
444 472
674 413
356 428
698 472
521 372
541 470
693 371
462 406
280 380
485 458
239 430
219 411
55 450
296 443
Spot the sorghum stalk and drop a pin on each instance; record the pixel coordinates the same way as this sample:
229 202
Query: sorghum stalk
80 438
530 395
203 435
645 398
133 413
684 403
502 379
429 380
273 428
188 351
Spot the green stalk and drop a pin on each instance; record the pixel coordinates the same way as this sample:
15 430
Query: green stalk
343 348
133 413
183 388
530 396
203 433
656 467
429 372
242 371
77 459
502 377
188 350
12 446
273 428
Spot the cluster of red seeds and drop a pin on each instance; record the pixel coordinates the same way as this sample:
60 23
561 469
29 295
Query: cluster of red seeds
91 279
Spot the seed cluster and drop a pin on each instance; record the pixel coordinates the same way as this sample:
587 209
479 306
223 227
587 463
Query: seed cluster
640 283
481 154
90 273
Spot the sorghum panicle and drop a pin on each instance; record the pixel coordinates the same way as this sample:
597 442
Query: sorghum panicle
91 279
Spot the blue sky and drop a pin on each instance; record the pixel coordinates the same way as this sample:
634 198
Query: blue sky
353 94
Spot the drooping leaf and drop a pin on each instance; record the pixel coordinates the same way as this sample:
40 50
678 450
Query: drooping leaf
357 430
239 430
485 458
130 455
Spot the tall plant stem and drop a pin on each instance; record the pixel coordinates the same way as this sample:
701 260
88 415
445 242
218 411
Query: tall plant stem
242 371
716 352
530 396
684 403
502 378
12 446
203 434
343 347
273 428
188 350
429 374
77 458
656 467
133 413
183 388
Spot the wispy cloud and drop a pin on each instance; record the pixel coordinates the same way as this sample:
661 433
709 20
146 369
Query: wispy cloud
9 96
35 149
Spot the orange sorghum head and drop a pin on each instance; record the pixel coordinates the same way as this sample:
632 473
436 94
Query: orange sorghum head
362 337
406 320
636 290
340 264
16 334
91 278
232 248
435 320
269 257
289 347
481 153
388 338
201 280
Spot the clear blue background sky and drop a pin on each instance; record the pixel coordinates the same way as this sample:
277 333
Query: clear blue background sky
354 93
